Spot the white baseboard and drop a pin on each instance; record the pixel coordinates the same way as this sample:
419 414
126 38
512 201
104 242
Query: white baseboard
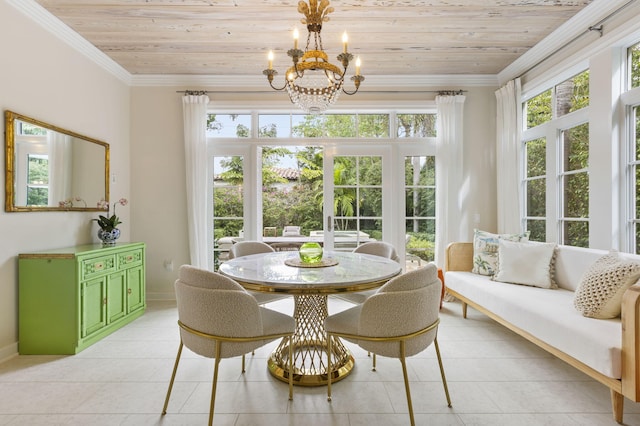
8 352
161 296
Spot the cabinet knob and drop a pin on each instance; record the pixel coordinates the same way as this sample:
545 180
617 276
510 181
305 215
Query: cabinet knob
104 301
129 291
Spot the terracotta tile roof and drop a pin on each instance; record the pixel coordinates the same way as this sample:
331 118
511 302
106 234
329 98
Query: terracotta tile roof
289 174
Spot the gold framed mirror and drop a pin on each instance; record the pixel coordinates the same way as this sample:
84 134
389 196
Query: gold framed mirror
48 168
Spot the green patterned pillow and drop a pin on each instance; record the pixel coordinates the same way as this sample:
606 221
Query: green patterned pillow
485 250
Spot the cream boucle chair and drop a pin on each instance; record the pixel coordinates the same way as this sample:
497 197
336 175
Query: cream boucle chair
245 248
220 319
400 320
376 248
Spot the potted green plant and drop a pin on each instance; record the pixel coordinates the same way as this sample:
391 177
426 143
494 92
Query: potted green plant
109 232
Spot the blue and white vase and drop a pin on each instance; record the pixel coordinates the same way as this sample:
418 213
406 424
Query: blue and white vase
108 238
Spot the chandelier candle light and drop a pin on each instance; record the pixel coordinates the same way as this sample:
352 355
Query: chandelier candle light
313 83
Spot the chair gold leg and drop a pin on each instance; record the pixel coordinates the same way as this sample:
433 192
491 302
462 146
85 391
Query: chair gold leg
406 382
464 310
291 368
329 367
374 363
173 377
215 382
444 379
243 369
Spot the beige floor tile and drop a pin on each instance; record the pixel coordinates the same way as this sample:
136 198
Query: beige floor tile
494 377
293 420
68 419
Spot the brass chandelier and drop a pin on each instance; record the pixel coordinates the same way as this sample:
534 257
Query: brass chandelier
312 82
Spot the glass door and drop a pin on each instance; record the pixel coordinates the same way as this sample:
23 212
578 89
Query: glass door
332 195
230 173
292 194
355 190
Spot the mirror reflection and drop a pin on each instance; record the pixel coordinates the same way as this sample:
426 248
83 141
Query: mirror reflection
49 168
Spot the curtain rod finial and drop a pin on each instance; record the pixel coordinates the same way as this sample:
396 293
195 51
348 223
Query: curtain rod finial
599 29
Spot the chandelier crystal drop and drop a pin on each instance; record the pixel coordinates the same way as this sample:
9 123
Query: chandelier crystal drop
312 82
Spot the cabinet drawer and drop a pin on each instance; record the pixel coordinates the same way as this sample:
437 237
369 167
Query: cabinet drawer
130 258
97 266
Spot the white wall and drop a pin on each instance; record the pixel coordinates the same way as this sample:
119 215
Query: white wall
158 172
158 181
42 77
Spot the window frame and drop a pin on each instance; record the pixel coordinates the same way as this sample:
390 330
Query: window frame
398 146
551 131
630 100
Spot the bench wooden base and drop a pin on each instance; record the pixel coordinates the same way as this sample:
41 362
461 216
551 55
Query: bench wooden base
617 399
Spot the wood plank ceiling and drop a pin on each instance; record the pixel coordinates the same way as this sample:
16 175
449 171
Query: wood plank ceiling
232 37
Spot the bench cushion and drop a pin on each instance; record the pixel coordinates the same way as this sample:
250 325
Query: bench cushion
548 315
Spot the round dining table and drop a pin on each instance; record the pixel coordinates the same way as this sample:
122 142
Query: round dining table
310 285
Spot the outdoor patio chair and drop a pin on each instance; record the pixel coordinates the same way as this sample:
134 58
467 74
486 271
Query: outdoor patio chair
291 231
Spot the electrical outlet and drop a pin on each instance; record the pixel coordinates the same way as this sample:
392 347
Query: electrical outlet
168 265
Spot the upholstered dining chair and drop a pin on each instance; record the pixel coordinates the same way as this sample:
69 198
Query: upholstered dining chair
219 319
400 320
376 248
245 248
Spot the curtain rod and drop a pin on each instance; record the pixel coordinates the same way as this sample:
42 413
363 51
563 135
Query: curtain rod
598 26
439 92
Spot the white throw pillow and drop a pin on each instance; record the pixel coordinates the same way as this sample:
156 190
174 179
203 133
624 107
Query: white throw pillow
599 293
526 263
485 250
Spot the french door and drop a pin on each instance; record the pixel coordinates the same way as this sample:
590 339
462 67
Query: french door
334 193
356 195
344 194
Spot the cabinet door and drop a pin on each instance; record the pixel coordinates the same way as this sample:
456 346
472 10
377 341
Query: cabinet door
135 290
93 301
116 296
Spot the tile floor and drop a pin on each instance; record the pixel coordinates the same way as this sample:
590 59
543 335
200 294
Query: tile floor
495 378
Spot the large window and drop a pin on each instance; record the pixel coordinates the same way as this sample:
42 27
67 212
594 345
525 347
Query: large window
420 206
574 183
535 188
632 100
634 179
281 180
555 153
634 66
228 204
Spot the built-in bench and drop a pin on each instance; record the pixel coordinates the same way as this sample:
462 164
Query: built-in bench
608 350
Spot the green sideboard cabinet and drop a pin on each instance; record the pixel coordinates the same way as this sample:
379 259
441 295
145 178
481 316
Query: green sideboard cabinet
71 298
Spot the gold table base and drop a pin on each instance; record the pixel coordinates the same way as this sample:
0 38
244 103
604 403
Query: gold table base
310 347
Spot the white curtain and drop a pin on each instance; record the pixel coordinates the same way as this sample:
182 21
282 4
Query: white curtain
508 130
194 108
449 174
60 167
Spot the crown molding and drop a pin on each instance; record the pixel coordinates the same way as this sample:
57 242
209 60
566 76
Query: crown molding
591 15
55 26
372 83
